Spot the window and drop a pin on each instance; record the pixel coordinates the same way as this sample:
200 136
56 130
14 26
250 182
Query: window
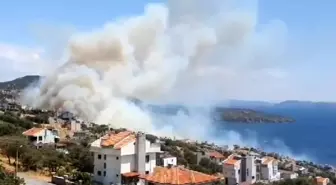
238 171
247 172
99 173
117 175
104 173
104 157
99 156
117 158
147 158
147 172
104 165
40 138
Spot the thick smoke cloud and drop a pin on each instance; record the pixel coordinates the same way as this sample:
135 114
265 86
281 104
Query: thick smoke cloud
185 52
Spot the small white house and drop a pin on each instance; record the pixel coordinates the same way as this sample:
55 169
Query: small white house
169 161
123 157
40 136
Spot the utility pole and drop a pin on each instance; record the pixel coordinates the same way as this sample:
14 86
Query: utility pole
17 160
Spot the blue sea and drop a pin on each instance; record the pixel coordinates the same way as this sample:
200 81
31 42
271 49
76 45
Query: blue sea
312 136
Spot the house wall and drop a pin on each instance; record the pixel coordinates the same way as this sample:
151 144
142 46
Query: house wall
47 137
232 173
119 161
265 172
251 170
270 172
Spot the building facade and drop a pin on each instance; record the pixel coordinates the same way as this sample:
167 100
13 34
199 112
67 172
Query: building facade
269 169
41 136
122 157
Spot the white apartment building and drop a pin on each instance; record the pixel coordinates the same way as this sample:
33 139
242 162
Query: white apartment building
269 169
231 170
41 136
123 157
240 169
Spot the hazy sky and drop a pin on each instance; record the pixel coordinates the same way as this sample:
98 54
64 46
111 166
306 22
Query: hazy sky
307 73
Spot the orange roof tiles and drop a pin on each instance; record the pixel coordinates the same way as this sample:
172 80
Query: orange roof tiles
130 174
267 160
216 155
117 141
178 176
33 131
231 161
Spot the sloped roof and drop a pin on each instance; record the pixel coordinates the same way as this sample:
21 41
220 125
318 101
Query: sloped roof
33 131
216 155
178 176
117 141
231 160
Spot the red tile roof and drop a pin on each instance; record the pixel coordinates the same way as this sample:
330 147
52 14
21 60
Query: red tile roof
231 160
216 155
178 176
130 174
33 132
117 141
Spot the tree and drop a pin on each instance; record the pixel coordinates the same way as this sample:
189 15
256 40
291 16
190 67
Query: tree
31 159
81 159
10 145
7 178
52 159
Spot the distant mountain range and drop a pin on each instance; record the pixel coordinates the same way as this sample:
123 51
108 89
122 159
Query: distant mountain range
25 81
20 83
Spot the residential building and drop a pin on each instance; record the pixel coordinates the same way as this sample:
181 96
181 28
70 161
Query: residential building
231 170
75 126
269 169
240 169
122 157
177 176
212 155
321 180
248 169
169 161
41 136
289 175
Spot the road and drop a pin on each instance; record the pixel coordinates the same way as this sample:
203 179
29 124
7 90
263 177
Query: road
32 181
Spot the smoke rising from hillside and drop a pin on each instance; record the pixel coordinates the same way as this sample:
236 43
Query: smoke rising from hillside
182 52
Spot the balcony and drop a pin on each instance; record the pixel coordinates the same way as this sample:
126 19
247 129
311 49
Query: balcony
155 148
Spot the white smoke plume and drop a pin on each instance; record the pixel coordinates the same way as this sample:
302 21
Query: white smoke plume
184 51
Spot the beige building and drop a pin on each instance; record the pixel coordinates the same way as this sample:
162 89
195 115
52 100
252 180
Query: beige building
321 181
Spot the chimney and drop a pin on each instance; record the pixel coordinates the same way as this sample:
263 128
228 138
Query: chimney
141 152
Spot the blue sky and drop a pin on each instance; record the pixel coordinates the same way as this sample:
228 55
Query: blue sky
311 34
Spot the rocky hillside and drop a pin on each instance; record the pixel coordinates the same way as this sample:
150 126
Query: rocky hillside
20 83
